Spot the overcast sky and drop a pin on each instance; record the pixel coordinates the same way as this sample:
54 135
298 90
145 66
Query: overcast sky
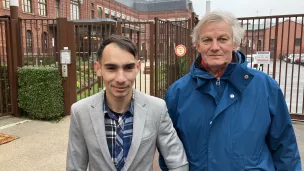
248 8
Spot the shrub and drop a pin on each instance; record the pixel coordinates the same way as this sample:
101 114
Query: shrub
40 92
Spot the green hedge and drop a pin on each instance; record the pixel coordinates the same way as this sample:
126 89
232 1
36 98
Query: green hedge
40 92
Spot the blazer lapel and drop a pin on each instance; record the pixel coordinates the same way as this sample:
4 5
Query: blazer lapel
97 118
140 114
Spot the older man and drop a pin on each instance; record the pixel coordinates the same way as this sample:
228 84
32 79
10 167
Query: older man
228 116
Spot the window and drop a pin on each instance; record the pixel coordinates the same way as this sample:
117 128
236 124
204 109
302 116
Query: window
6 4
272 44
92 10
107 15
29 41
57 8
259 45
27 6
298 42
74 10
42 7
44 42
99 12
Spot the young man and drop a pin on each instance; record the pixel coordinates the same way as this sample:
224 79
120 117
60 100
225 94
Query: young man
228 116
120 128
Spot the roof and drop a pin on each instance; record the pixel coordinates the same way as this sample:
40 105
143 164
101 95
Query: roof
156 5
95 20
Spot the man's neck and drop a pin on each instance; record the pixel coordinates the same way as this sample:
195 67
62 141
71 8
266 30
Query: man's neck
118 105
217 71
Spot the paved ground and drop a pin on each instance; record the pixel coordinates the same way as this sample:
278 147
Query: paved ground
42 145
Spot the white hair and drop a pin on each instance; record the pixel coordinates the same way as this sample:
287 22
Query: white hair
217 16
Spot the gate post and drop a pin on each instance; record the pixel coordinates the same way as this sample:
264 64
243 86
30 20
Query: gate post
66 38
16 56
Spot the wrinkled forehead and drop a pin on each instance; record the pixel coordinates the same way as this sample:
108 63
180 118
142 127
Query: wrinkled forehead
218 28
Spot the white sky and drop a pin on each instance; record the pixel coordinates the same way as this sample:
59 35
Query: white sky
249 8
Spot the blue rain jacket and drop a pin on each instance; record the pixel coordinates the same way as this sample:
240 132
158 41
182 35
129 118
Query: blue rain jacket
236 123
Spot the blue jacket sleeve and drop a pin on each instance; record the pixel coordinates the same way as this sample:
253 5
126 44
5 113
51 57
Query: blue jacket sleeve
281 137
171 105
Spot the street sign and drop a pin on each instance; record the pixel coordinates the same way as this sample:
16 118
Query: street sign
180 50
262 57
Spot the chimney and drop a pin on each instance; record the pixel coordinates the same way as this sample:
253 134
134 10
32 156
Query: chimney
208 4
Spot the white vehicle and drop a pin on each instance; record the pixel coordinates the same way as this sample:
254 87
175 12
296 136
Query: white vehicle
251 62
294 58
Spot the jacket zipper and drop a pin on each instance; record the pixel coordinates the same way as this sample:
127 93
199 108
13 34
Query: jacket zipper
218 82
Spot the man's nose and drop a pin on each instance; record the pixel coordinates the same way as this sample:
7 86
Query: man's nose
215 46
120 76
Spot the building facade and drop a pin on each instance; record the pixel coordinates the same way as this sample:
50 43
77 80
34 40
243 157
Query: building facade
124 10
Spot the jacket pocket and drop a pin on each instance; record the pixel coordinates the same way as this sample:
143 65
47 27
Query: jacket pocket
251 163
147 139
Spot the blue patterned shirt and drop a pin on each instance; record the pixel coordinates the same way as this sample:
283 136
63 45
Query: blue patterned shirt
115 122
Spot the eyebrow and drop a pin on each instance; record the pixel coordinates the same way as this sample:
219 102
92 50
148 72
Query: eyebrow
115 65
207 37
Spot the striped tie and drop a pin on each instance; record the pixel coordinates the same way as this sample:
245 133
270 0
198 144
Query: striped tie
119 153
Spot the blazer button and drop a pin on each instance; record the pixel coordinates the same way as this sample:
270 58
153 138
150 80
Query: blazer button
246 77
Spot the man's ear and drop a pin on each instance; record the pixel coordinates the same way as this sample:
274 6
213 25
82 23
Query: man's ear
138 65
235 47
97 68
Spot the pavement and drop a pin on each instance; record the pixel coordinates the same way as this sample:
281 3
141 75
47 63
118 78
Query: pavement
42 146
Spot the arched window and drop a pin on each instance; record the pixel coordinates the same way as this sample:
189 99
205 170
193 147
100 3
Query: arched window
74 9
57 8
29 41
44 42
99 12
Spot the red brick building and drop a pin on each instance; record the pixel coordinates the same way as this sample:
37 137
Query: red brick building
126 10
38 36
285 37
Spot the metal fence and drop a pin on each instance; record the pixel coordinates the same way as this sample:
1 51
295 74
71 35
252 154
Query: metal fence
155 42
5 96
39 42
282 36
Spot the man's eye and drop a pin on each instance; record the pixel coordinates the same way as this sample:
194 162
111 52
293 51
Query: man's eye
111 68
206 40
223 39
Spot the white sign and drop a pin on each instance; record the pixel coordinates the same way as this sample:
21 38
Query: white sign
65 56
262 57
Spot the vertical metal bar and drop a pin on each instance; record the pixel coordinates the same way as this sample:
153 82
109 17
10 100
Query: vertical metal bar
37 45
89 57
252 39
282 40
269 43
275 48
32 42
246 51
287 58
139 52
152 51
299 67
145 54
293 61
2 69
264 37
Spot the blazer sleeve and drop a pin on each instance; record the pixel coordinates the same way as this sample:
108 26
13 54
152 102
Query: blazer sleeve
169 145
77 154
281 137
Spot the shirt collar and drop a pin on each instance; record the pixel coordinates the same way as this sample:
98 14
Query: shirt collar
106 109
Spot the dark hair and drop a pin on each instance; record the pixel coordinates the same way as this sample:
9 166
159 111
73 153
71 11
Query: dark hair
123 42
